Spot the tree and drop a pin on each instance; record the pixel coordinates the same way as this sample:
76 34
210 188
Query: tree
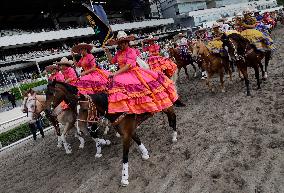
280 2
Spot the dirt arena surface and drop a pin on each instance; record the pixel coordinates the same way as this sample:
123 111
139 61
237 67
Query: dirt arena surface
228 143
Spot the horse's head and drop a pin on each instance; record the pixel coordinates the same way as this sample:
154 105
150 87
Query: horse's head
198 49
59 91
235 45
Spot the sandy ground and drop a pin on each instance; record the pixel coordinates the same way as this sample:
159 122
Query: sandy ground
228 143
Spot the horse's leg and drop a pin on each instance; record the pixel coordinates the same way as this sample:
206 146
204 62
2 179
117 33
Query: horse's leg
243 70
262 70
195 69
208 82
128 130
172 122
256 70
142 148
99 142
67 146
186 72
221 73
267 58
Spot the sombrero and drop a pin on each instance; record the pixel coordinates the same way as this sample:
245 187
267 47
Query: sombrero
65 61
215 25
81 46
121 36
50 68
181 35
150 39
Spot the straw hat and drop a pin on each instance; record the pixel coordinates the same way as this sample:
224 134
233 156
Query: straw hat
79 47
50 68
150 39
121 36
247 10
215 25
65 61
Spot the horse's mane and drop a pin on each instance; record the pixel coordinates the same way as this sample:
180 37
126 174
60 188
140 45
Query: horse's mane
241 41
100 99
68 87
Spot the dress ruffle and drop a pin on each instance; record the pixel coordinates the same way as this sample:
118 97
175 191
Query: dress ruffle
139 91
258 39
93 82
162 64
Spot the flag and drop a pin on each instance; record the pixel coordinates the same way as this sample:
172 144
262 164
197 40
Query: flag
102 29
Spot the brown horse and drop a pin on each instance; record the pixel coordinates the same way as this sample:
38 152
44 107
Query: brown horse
125 124
181 62
244 55
212 63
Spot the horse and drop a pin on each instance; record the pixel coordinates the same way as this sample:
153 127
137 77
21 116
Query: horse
124 123
244 55
35 104
212 63
181 62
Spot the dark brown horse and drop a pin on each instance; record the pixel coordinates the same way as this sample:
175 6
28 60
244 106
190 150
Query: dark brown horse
182 62
125 124
244 55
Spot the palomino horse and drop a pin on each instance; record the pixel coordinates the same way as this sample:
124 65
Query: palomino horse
124 123
181 62
244 55
36 104
212 63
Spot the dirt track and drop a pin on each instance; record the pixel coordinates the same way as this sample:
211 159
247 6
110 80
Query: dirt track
227 143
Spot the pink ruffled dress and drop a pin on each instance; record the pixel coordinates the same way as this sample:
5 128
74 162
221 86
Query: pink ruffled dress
138 90
159 63
93 82
58 76
70 73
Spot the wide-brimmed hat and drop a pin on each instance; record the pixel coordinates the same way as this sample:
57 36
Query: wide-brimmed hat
150 39
247 10
50 68
181 34
65 61
121 36
215 25
200 29
82 46
221 20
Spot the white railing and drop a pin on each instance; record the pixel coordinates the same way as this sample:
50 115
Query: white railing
4 126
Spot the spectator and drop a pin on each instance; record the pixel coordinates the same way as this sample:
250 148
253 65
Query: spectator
12 99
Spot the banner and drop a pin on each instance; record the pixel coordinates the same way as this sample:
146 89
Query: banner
102 29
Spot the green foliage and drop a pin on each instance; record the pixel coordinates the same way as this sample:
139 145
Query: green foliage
25 87
15 134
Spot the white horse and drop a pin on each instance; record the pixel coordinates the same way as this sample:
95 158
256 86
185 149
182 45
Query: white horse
34 104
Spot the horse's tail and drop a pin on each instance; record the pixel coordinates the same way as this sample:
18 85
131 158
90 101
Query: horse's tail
174 78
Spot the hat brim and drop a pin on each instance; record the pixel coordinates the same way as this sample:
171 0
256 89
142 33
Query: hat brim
79 47
50 68
112 42
150 40
64 63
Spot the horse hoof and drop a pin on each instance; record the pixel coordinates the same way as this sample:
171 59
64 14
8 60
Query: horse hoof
59 145
117 135
98 155
124 183
81 146
108 142
68 152
145 157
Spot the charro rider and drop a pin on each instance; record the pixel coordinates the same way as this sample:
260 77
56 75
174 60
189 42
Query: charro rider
261 41
157 62
135 90
93 79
